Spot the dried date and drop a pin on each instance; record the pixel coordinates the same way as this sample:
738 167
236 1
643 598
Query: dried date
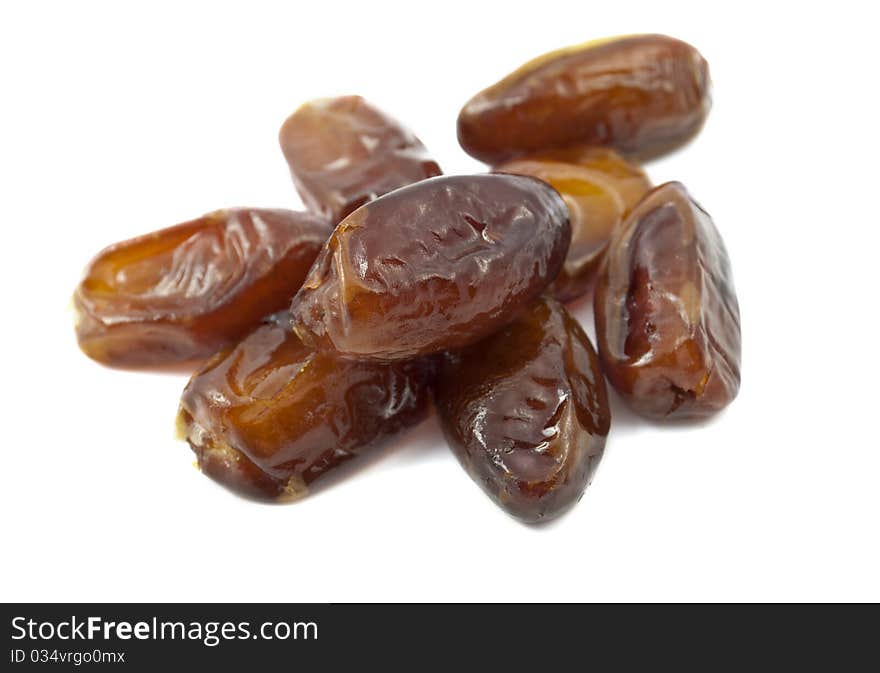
526 412
179 294
344 152
667 317
268 416
433 266
642 95
599 187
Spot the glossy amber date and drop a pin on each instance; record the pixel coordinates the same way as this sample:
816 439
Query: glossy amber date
179 294
667 317
269 416
599 187
433 266
642 95
343 152
526 412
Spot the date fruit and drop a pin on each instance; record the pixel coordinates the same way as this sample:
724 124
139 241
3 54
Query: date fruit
179 294
433 266
599 187
526 412
269 416
343 152
667 318
641 95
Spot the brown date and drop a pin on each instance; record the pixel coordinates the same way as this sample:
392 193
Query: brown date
667 318
343 152
268 416
433 266
179 294
526 412
599 187
642 95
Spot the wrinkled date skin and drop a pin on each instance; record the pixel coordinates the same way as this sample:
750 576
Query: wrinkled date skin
599 187
642 95
269 416
434 266
526 412
179 294
343 152
667 317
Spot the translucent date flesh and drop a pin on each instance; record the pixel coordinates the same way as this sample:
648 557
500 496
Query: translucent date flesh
526 412
181 293
269 416
343 152
599 187
667 317
641 95
433 266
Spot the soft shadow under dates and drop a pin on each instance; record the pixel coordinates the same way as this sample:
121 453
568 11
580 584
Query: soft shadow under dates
667 318
270 415
179 294
642 95
434 266
526 412
344 152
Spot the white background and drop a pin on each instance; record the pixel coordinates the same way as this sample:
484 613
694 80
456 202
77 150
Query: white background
120 118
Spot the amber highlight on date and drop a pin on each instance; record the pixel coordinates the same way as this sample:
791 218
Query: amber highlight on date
434 266
526 412
269 415
641 95
599 188
667 317
343 152
179 294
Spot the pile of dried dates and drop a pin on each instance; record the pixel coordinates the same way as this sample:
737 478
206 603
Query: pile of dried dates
318 335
